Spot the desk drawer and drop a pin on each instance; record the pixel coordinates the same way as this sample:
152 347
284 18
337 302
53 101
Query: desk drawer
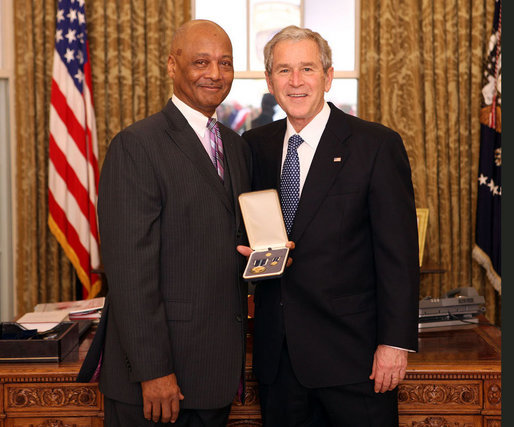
440 421
52 422
439 396
55 397
492 422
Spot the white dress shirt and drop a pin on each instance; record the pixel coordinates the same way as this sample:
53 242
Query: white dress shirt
311 135
198 122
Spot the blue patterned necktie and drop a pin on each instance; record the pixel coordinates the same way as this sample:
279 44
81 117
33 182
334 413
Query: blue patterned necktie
216 145
290 182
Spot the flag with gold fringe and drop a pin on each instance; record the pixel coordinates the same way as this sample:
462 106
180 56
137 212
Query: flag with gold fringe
487 250
73 148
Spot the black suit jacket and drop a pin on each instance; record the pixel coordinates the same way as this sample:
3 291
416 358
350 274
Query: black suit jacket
354 279
169 229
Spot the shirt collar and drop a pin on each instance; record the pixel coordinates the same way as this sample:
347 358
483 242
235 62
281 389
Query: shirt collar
195 119
311 133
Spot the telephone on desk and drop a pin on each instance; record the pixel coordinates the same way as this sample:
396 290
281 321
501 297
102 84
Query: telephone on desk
457 307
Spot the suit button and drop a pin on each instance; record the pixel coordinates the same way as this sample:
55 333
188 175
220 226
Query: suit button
239 318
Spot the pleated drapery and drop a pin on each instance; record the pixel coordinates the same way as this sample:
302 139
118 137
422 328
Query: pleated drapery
421 74
129 45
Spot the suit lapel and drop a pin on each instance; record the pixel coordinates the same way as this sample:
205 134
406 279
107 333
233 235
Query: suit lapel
272 148
330 157
277 150
186 139
234 167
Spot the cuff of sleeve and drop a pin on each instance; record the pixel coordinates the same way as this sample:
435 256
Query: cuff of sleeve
400 348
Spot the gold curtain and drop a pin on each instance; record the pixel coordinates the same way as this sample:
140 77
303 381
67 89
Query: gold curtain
129 44
421 74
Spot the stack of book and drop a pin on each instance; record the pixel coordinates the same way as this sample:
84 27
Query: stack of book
47 315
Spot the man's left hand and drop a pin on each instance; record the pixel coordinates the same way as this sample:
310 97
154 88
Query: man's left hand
389 366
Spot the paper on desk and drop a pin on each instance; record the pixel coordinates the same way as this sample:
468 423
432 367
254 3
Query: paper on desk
43 320
74 307
87 305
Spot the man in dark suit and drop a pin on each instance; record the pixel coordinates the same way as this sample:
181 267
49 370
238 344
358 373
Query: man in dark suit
169 220
331 337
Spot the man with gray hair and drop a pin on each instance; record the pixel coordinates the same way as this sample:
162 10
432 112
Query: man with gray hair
331 337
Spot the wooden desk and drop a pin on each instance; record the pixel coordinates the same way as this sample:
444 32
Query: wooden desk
45 394
454 381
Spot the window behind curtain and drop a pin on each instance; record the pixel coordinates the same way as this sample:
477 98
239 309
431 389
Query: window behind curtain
251 23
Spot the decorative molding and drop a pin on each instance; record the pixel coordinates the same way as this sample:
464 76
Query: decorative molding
245 423
53 423
251 396
453 376
492 423
13 378
494 394
439 422
436 394
51 397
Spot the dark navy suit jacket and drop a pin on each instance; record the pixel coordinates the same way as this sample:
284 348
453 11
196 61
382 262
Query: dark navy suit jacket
354 279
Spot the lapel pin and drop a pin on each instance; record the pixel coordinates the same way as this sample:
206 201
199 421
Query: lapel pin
337 159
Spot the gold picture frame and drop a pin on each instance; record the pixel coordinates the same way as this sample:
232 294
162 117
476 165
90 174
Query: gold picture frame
422 219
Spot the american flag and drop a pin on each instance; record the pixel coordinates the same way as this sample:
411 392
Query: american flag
73 148
487 251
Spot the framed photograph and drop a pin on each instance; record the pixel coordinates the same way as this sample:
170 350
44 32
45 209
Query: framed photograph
422 217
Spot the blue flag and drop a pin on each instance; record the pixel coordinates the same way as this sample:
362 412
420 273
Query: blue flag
487 250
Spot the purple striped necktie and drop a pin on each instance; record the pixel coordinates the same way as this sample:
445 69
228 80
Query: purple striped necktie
216 145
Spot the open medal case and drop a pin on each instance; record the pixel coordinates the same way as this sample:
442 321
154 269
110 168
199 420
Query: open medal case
267 234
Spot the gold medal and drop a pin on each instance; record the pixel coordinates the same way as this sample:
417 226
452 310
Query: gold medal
258 269
268 254
274 263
